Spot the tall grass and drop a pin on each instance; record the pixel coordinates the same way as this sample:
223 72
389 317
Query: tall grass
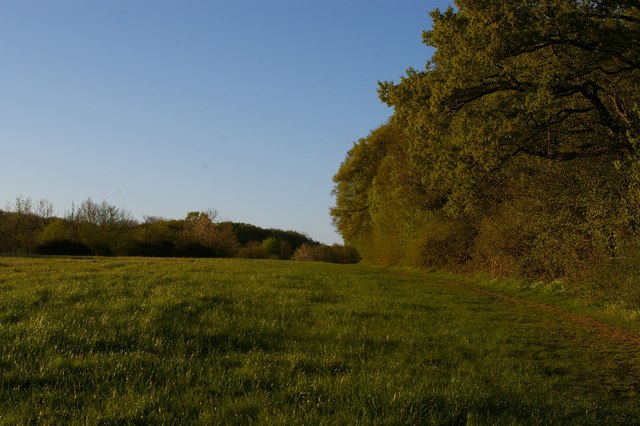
133 341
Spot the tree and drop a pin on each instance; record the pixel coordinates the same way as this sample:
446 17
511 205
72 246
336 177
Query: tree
44 209
103 227
517 138
201 236
155 237
21 226
275 248
102 214
554 79
353 183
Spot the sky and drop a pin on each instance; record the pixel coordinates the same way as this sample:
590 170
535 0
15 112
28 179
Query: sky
163 107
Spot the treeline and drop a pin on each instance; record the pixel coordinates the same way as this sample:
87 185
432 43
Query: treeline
91 228
514 152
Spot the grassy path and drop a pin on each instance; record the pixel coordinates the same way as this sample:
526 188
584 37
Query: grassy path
126 341
607 331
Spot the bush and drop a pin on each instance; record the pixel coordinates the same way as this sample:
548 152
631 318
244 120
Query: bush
311 253
345 254
324 253
63 248
276 248
547 240
195 250
151 249
201 236
442 243
612 281
253 250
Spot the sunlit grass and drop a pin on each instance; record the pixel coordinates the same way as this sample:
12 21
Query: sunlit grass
239 341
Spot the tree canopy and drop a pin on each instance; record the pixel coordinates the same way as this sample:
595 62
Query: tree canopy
515 146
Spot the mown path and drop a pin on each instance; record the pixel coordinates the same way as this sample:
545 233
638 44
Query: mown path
607 331
614 352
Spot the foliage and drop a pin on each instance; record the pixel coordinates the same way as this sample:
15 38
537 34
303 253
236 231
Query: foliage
103 229
513 151
276 249
246 233
313 253
201 236
155 237
63 247
323 253
252 250
20 224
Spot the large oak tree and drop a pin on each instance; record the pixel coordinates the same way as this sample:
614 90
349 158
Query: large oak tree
530 103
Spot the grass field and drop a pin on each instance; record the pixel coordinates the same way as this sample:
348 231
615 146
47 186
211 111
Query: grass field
138 341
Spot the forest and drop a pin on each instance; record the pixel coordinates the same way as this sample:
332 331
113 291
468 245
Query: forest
514 152
30 227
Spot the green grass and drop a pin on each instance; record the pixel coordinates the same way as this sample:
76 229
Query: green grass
138 341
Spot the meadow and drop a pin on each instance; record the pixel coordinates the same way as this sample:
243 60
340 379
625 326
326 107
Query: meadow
236 341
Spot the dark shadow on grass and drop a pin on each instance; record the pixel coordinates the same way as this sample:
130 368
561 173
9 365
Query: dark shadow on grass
42 297
370 348
311 367
28 383
239 340
77 345
13 315
373 315
324 298
180 327
420 307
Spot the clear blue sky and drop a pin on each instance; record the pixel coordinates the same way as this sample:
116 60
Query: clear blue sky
165 107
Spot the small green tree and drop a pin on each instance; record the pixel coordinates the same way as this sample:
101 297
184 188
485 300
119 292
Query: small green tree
271 246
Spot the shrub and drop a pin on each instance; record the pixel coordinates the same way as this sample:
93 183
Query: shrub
345 254
151 249
195 250
324 253
201 236
276 248
442 243
63 247
253 250
308 252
